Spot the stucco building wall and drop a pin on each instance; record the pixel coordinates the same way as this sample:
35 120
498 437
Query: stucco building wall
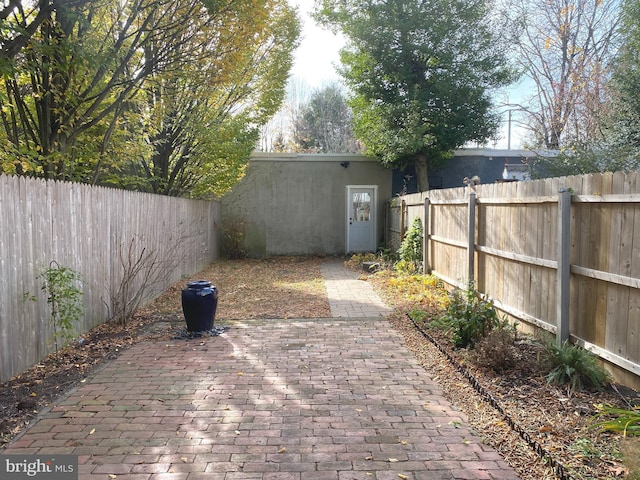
295 204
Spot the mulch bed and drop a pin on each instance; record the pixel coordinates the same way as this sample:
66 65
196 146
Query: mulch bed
558 420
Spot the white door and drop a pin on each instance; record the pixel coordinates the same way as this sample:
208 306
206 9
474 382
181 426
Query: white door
361 218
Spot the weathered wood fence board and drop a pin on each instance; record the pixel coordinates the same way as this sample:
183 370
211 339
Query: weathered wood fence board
88 229
515 262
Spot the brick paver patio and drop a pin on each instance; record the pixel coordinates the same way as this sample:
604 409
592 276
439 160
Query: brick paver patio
325 399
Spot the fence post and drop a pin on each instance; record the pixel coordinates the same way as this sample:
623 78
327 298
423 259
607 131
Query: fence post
564 266
387 227
471 238
403 208
426 232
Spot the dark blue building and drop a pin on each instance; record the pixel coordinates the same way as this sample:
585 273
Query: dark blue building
488 164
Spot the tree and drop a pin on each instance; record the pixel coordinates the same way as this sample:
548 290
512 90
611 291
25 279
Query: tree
421 74
204 117
564 47
279 133
624 131
616 147
159 95
324 124
595 157
20 20
76 75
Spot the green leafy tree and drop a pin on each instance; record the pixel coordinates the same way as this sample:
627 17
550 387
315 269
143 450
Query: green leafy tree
64 95
204 117
421 74
593 157
624 131
324 124
157 95
19 20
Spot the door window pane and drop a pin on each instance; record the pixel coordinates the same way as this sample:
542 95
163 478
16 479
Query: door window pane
361 206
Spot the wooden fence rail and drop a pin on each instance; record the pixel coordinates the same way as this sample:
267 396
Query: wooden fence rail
562 255
95 231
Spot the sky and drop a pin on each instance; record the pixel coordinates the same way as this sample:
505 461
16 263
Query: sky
316 58
318 51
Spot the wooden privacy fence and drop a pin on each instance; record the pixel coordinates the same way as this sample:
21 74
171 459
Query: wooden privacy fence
561 254
98 232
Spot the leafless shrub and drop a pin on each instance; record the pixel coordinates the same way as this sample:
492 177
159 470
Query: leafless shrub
233 238
145 272
496 351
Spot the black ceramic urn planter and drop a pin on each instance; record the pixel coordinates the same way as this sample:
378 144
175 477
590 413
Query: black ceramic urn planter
199 302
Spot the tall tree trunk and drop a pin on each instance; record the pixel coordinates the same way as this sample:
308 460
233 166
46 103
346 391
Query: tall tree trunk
421 172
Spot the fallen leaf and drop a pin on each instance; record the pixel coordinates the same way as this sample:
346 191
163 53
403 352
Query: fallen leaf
404 477
184 459
619 471
393 460
282 450
93 430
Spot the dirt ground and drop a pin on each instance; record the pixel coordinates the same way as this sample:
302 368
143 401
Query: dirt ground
292 287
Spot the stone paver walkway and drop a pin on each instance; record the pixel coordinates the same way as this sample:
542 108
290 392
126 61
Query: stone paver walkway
327 399
349 296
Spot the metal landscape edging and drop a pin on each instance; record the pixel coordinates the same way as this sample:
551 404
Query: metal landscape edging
559 469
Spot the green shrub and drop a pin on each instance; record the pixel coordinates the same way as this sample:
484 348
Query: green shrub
574 366
61 285
471 316
626 422
64 298
418 314
410 251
